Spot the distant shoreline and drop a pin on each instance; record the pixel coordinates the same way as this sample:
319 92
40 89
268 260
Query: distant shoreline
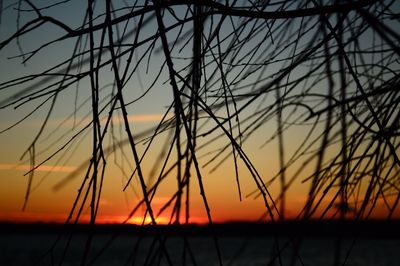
371 229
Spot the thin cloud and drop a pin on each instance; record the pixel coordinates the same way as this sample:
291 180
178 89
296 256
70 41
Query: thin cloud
42 168
138 118
144 118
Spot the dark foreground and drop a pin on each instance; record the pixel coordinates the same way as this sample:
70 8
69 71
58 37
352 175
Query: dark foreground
311 243
379 229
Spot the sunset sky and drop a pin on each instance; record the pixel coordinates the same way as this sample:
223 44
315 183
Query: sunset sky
56 182
51 202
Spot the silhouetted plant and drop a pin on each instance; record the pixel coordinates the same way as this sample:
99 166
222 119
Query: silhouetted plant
232 67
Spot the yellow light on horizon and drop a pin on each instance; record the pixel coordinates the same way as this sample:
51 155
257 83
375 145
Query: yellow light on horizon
138 220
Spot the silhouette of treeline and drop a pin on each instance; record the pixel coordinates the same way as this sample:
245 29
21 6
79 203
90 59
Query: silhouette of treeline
232 69
291 228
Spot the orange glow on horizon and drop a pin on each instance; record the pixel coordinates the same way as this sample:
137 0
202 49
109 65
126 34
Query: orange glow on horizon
60 218
30 217
53 207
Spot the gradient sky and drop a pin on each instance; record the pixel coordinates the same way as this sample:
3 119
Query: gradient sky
51 202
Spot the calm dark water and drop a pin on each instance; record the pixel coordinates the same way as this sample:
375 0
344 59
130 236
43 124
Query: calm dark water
28 249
